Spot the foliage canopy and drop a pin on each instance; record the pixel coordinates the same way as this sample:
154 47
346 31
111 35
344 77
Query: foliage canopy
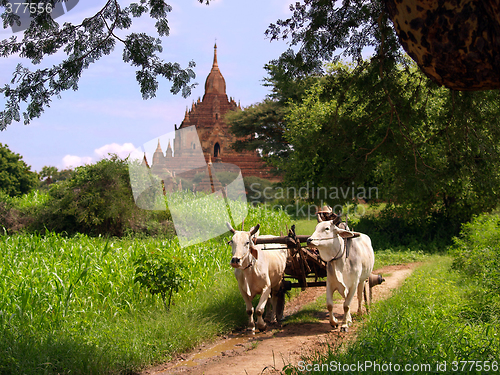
438 152
84 44
16 177
97 199
376 121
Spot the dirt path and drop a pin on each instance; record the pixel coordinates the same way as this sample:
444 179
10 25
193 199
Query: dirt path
270 351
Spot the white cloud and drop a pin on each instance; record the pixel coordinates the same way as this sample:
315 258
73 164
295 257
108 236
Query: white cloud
73 161
122 151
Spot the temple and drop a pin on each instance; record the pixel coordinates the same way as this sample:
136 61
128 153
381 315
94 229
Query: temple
204 127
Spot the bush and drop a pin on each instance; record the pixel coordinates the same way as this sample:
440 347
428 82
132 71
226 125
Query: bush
97 200
476 254
161 274
17 214
16 177
259 190
388 229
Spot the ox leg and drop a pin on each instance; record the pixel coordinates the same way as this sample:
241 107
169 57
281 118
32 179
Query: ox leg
268 316
280 302
274 303
248 303
249 307
329 304
361 289
347 311
365 296
259 311
247 297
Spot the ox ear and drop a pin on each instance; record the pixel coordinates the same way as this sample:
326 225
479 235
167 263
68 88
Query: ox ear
254 230
230 228
346 233
253 251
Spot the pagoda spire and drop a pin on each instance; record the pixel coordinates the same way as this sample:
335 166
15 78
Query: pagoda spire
169 151
158 154
145 161
215 64
215 83
158 148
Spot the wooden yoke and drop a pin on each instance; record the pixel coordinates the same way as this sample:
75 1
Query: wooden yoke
302 262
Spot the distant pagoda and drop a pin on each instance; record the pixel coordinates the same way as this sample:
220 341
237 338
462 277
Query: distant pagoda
207 118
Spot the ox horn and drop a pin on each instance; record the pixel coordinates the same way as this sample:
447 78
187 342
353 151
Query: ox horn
375 280
230 228
254 229
242 224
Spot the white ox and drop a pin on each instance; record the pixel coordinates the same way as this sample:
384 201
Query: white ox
345 274
258 272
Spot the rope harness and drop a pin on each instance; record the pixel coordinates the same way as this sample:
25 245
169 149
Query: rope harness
252 262
346 247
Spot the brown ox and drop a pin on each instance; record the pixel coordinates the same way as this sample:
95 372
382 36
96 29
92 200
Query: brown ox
344 273
258 272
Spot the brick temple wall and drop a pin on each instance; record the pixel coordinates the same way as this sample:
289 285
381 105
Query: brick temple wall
215 139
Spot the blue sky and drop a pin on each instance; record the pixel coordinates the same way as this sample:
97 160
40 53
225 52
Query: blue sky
108 114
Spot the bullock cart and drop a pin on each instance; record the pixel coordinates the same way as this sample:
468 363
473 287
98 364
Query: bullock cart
304 266
303 262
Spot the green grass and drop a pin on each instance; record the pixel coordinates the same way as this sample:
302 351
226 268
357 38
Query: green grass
422 323
311 312
390 257
71 306
304 227
32 199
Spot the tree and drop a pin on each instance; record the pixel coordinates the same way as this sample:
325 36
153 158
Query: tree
262 125
16 177
453 43
326 31
83 45
438 153
96 199
265 120
49 175
379 122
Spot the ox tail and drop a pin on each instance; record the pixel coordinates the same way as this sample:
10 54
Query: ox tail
365 297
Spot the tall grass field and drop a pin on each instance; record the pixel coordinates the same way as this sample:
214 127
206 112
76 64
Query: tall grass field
73 305
81 305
